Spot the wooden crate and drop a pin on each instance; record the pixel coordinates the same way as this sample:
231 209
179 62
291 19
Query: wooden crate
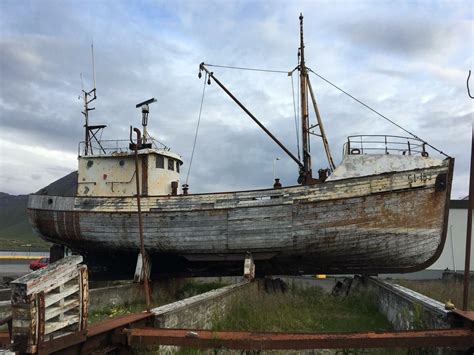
48 302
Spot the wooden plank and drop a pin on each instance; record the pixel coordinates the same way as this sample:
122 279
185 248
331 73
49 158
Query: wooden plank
42 280
68 319
83 297
41 321
24 311
52 298
68 305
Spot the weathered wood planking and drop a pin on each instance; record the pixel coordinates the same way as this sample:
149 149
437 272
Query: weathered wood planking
48 300
47 278
391 222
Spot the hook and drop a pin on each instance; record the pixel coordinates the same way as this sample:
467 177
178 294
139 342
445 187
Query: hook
467 84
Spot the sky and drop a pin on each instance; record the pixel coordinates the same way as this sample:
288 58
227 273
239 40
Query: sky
407 59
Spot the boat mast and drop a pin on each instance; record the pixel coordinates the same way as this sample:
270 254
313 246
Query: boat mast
88 97
306 173
91 132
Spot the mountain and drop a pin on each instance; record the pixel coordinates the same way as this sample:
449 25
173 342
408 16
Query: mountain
15 230
65 186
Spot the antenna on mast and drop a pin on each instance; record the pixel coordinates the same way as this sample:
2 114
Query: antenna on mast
93 63
145 112
88 97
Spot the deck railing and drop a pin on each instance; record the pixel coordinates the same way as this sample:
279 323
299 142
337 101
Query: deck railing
384 144
108 147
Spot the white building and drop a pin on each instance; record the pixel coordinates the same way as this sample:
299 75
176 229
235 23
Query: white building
453 254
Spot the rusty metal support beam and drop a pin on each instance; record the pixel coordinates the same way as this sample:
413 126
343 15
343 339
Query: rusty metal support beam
104 335
458 338
61 343
145 269
467 260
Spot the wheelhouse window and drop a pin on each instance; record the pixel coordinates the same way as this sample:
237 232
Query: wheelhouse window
160 162
177 166
170 164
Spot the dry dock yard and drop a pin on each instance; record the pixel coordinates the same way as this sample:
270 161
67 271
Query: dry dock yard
56 310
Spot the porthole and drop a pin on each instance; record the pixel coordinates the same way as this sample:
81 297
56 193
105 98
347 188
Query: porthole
121 163
90 163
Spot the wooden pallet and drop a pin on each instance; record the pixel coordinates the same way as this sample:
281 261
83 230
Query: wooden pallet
49 302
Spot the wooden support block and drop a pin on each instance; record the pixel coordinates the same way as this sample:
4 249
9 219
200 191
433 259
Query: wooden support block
142 268
249 267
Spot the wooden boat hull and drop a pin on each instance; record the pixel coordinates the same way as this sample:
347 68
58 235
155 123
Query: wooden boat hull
386 223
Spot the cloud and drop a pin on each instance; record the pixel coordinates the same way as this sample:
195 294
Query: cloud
405 60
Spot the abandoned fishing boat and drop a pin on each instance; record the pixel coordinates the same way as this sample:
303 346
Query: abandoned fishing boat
384 209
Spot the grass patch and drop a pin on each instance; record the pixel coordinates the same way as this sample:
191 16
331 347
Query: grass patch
192 288
188 289
440 290
24 243
309 310
115 311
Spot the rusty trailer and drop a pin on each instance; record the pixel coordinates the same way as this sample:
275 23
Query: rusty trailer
122 332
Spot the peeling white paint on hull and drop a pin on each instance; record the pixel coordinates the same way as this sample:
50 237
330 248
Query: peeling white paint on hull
390 222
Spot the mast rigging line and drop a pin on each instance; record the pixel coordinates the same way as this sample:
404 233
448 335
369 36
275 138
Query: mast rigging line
338 88
202 67
296 118
197 127
376 112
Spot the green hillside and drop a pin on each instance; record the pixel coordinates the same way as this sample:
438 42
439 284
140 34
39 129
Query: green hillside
15 230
